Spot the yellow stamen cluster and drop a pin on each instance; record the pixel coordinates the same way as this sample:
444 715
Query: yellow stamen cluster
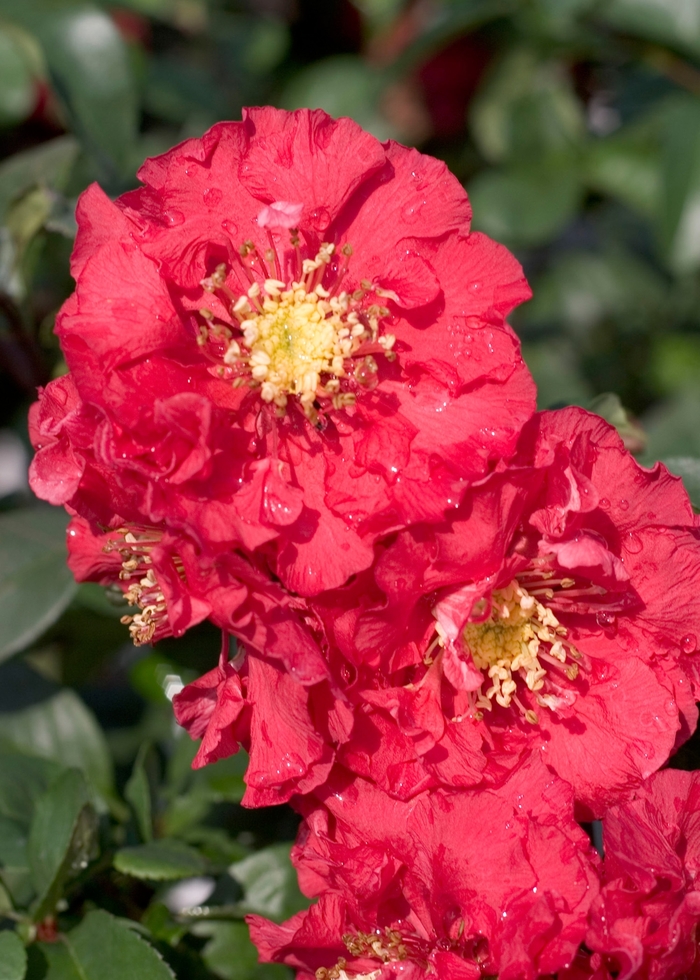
387 946
299 339
518 635
143 590
338 972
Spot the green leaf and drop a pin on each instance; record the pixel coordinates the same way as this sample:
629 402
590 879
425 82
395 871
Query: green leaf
17 77
627 166
36 585
141 787
673 427
672 22
91 70
688 468
555 370
13 957
48 164
343 85
62 838
103 948
526 110
160 860
62 728
525 206
680 184
22 781
231 955
269 882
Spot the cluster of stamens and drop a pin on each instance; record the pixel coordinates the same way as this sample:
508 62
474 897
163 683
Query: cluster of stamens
387 946
520 640
134 546
291 335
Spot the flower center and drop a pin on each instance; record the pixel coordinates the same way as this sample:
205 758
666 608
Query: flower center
151 622
520 640
293 333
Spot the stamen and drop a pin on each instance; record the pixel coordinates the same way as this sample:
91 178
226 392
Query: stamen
151 623
299 339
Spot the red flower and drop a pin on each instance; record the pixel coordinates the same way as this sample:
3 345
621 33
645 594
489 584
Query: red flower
286 340
644 923
452 885
554 612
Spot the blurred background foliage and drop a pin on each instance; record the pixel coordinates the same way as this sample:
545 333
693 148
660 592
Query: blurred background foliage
575 127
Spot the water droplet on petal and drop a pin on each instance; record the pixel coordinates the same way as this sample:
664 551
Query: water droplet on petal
624 504
689 643
604 503
174 217
633 543
212 196
605 619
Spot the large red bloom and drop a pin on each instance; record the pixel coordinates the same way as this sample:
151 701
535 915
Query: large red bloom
554 612
287 340
452 885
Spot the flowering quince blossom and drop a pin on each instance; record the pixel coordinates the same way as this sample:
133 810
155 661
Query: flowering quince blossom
644 922
262 698
455 885
554 612
288 341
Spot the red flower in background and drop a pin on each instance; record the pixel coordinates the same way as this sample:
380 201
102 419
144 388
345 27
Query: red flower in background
452 885
644 923
287 340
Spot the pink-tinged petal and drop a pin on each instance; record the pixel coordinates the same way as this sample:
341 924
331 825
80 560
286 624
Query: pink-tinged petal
280 214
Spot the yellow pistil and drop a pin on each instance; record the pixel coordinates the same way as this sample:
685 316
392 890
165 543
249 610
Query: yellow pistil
299 339
514 641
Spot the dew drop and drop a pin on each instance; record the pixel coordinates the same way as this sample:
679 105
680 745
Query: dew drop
604 503
212 196
624 504
174 217
476 285
633 543
689 643
605 619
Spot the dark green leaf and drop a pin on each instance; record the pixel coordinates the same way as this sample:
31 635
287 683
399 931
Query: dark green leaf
103 948
62 728
680 183
672 22
62 838
673 427
269 882
160 860
688 468
230 954
525 206
35 582
344 86
140 789
526 110
627 166
17 82
22 781
13 957
48 164
90 67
